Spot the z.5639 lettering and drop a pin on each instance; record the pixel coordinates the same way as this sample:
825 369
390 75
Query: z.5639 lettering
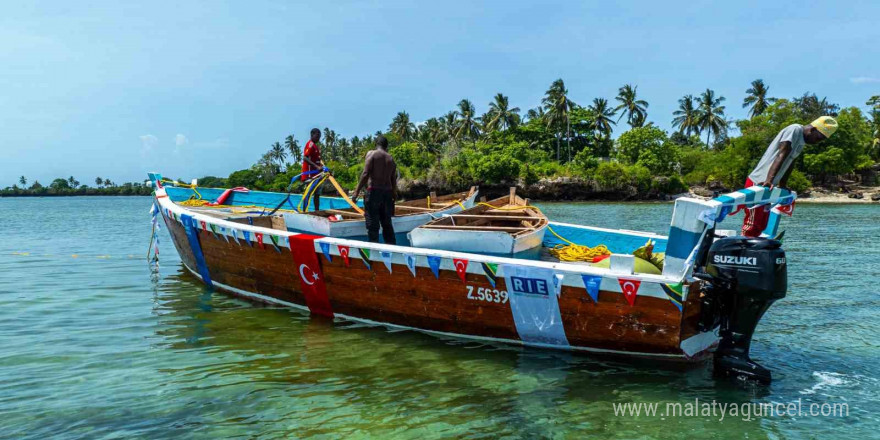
488 295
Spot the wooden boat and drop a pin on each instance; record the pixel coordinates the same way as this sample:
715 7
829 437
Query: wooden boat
408 215
700 302
338 220
504 226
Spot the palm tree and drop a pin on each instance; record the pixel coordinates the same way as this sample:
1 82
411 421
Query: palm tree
687 116
635 110
711 114
602 115
756 97
501 116
72 182
449 125
107 182
99 181
468 126
22 180
536 113
402 126
558 108
277 153
293 147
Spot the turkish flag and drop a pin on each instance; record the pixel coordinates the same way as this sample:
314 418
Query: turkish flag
204 227
259 239
311 278
461 268
343 250
630 288
787 209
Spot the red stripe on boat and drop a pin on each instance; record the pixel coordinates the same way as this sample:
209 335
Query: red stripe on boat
311 278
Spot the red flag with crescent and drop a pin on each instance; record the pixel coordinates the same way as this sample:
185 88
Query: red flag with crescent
259 239
786 209
311 278
630 288
204 227
343 250
461 268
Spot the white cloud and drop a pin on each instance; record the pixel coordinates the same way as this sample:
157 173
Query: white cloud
180 140
864 80
148 143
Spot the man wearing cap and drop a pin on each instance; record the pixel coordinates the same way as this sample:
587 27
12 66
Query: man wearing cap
777 163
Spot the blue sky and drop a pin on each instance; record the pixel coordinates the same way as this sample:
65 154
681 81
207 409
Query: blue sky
194 88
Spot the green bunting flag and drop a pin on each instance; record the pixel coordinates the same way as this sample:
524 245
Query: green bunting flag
365 257
674 292
491 271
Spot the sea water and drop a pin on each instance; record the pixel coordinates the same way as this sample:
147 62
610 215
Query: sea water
96 344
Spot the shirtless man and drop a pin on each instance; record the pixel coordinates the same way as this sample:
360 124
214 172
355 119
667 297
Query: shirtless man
380 180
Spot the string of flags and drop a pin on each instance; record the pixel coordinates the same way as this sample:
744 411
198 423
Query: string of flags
592 283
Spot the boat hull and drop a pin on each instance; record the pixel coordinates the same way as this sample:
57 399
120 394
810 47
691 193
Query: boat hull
467 305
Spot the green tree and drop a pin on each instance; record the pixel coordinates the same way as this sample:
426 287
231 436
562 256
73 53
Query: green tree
468 124
99 181
277 153
687 116
449 126
402 126
602 115
23 181
711 115
293 148
635 110
874 103
73 182
500 115
756 98
812 107
632 143
59 185
558 108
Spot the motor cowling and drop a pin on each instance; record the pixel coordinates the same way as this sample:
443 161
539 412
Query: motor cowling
744 276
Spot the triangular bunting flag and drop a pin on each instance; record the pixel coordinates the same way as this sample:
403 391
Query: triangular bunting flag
223 233
247 238
491 271
460 268
411 263
274 239
386 258
259 238
204 226
786 209
630 288
325 248
674 292
343 252
365 257
213 230
592 284
434 263
235 236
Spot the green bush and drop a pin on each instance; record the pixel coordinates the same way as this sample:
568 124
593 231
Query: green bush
798 182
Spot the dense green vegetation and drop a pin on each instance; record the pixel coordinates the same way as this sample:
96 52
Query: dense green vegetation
72 187
563 140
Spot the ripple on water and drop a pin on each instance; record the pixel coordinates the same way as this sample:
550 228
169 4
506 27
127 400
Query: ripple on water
98 346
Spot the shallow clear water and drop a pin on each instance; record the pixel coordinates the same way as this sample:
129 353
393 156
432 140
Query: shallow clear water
93 344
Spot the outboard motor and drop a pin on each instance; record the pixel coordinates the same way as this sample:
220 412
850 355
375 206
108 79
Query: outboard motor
744 277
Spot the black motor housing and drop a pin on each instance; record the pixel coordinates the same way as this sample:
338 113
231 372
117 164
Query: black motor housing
744 275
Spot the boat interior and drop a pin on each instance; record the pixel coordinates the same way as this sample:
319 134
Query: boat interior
511 214
430 204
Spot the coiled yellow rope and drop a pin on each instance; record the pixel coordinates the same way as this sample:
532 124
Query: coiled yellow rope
576 252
